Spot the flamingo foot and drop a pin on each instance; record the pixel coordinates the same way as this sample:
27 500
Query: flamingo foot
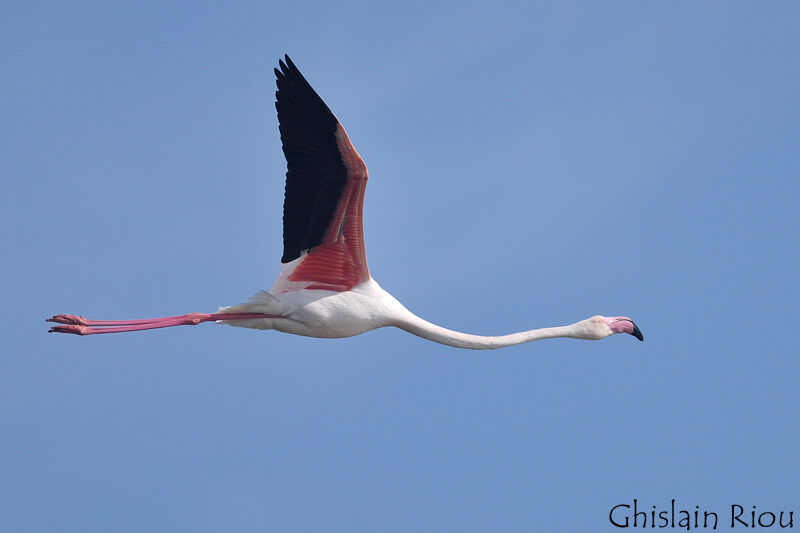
68 319
75 329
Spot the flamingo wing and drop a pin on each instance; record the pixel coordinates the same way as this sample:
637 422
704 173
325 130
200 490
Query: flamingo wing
325 184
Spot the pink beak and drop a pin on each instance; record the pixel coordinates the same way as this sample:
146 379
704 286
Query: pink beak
623 324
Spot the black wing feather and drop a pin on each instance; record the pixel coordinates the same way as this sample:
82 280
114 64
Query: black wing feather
316 175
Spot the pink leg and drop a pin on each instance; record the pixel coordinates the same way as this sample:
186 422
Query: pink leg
82 326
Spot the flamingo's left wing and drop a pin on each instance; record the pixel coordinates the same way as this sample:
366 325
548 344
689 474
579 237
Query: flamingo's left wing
325 184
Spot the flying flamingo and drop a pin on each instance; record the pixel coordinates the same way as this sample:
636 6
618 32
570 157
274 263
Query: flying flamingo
324 288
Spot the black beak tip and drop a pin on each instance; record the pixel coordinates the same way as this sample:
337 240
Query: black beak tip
637 332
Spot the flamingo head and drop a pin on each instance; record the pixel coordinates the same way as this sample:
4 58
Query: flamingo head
600 327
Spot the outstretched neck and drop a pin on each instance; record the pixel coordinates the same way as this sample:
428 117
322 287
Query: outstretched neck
422 328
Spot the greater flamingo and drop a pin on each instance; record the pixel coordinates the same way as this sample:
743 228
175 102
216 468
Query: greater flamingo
324 288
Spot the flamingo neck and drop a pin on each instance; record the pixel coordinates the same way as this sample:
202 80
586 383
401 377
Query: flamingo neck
422 328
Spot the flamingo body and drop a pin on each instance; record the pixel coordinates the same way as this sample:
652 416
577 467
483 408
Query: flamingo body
322 313
324 288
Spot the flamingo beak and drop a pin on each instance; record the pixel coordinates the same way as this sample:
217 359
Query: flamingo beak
623 324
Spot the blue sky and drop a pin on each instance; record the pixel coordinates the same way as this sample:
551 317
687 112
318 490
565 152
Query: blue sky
530 165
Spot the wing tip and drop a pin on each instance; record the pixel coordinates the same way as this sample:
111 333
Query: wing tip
286 66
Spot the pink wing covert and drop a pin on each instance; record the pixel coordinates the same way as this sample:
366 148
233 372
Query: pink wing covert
340 262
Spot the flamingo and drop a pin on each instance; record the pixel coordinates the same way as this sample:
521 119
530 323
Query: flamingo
324 288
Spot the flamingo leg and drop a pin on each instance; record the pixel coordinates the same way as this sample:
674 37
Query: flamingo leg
79 325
